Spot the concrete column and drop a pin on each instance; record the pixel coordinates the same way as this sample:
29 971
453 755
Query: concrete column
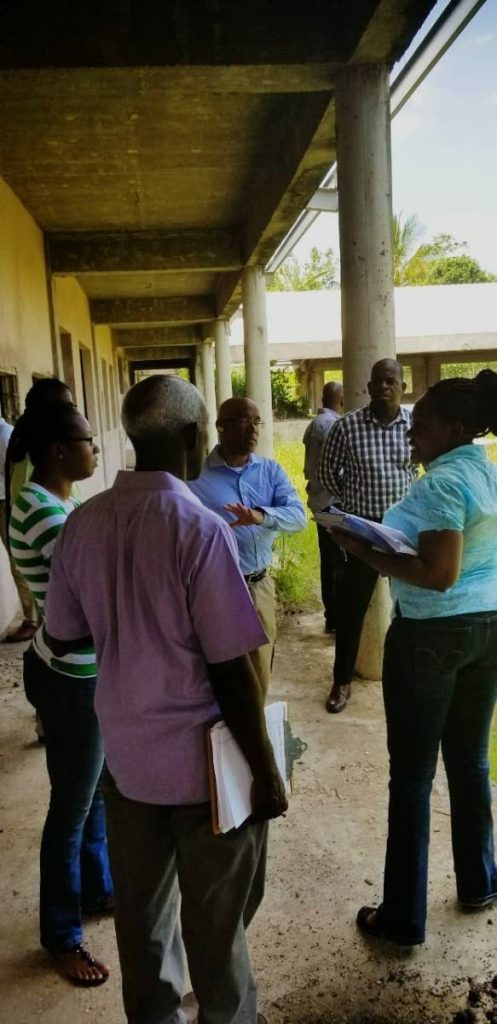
199 376
256 348
419 377
365 225
433 373
209 389
317 388
221 334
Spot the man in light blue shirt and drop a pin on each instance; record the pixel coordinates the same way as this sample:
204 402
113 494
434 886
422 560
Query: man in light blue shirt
254 495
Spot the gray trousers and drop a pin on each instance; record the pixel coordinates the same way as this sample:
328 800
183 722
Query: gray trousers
159 853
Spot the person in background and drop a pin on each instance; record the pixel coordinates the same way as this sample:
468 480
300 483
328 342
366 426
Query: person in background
74 868
172 620
254 495
318 498
440 662
5 432
365 460
17 471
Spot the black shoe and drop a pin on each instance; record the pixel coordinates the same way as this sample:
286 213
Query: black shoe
369 921
337 699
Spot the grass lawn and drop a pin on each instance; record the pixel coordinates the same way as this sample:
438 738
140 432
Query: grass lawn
296 564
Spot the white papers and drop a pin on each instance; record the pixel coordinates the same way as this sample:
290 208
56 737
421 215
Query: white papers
233 778
383 538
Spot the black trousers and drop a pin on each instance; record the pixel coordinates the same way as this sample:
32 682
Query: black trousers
356 583
331 562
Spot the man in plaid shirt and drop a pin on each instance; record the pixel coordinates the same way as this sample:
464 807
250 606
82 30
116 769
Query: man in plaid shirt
366 461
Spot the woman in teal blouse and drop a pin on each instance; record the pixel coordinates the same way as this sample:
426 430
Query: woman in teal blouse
440 660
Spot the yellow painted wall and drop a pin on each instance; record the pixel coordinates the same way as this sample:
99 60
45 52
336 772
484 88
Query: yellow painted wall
114 455
25 338
94 346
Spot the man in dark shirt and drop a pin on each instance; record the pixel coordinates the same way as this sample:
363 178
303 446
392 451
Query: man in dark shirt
318 497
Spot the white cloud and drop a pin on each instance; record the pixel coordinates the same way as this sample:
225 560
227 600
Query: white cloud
406 124
481 40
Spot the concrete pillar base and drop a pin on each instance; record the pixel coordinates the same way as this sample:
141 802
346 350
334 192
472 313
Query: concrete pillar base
370 657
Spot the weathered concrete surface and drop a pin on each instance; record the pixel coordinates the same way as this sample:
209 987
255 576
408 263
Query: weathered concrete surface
326 860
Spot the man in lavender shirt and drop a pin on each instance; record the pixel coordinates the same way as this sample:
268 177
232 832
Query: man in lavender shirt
152 576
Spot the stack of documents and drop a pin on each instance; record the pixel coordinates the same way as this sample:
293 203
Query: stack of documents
229 774
382 538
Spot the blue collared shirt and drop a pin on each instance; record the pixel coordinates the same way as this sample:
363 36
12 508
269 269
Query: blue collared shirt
260 483
458 492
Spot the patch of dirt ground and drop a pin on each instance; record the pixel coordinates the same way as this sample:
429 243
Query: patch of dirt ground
312 965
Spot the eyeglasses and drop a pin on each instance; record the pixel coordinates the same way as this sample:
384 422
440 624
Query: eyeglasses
88 440
244 421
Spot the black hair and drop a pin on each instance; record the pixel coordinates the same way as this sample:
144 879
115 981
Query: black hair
470 401
45 389
38 427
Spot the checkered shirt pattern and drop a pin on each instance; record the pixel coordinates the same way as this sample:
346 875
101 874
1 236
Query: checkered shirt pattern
367 463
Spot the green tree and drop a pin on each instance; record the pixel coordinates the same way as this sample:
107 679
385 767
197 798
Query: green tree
405 236
438 261
285 403
461 269
319 270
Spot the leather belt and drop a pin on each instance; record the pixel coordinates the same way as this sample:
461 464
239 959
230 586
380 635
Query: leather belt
254 577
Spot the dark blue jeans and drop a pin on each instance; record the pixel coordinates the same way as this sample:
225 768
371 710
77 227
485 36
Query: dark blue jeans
74 866
439 689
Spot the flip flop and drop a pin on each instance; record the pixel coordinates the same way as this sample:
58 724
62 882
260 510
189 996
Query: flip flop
78 954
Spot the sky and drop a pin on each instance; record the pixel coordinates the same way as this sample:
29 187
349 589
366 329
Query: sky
444 148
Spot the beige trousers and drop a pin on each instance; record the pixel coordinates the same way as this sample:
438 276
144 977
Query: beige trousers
263 596
29 610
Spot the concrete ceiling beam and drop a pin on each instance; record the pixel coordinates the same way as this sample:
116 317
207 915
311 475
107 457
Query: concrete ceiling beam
151 354
177 310
88 252
390 30
324 200
150 336
298 153
191 34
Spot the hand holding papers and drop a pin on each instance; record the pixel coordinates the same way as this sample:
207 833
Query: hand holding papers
229 774
382 538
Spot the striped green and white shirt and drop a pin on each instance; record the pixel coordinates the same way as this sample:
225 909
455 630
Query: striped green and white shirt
36 520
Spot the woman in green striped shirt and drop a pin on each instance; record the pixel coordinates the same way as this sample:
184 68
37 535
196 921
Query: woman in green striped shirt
74 868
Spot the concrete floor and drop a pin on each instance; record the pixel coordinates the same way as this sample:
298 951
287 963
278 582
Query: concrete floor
312 965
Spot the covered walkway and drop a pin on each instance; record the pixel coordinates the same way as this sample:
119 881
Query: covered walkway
326 860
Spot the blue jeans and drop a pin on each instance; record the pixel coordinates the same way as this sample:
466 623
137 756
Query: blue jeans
74 866
439 688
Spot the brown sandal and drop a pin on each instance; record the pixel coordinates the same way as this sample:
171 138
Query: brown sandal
94 972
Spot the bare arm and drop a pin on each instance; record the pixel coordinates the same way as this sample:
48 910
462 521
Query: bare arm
238 694
436 567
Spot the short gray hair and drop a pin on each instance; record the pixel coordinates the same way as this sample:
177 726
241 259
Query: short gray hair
161 404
